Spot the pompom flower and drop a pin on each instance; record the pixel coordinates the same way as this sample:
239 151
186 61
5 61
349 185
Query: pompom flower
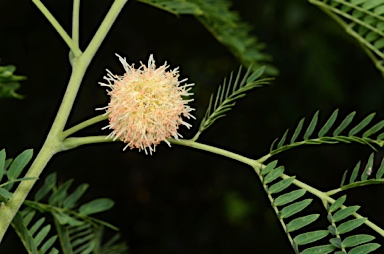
146 105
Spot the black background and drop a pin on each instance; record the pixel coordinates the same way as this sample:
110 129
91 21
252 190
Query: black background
182 200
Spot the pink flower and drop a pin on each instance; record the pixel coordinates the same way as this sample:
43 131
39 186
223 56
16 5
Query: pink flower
146 105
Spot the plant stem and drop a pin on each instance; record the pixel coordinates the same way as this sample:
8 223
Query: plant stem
83 125
75 22
70 143
53 143
215 150
74 48
9 210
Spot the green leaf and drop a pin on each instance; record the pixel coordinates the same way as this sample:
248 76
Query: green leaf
281 185
344 124
294 208
350 225
289 197
310 237
337 204
256 74
71 200
336 242
364 249
297 131
49 184
19 163
361 125
48 244
343 178
311 126
9 82
96 206
60 194
42 234
322 249
301 222
269 167
2 163
175 6
368 168
354 240
344 213
380 171
282 141
355 172
64 219
274 174
5 193
328 125
374 129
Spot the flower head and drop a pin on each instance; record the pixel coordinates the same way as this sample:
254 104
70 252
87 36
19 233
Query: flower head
146 105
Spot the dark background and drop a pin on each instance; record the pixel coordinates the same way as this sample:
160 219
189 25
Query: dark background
182 200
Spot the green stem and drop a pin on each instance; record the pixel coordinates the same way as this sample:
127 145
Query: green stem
70 143
75 22
74 48
215 150
53 143
9 211
258 166
83 125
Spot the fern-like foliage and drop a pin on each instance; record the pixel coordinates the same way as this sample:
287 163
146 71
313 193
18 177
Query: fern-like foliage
225 25
9 82
363 20
289 205
33 235
228 94
360 243
11 169
77 231
323 136
365 177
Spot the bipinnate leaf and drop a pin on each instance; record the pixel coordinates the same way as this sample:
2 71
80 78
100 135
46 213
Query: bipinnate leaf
354 240
227 95
49 184
34 238
19 163
337 204
322 249
281 185
350 225
294 208
310 237
289 197
301 222
344 213
274 174
364 249
96 206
